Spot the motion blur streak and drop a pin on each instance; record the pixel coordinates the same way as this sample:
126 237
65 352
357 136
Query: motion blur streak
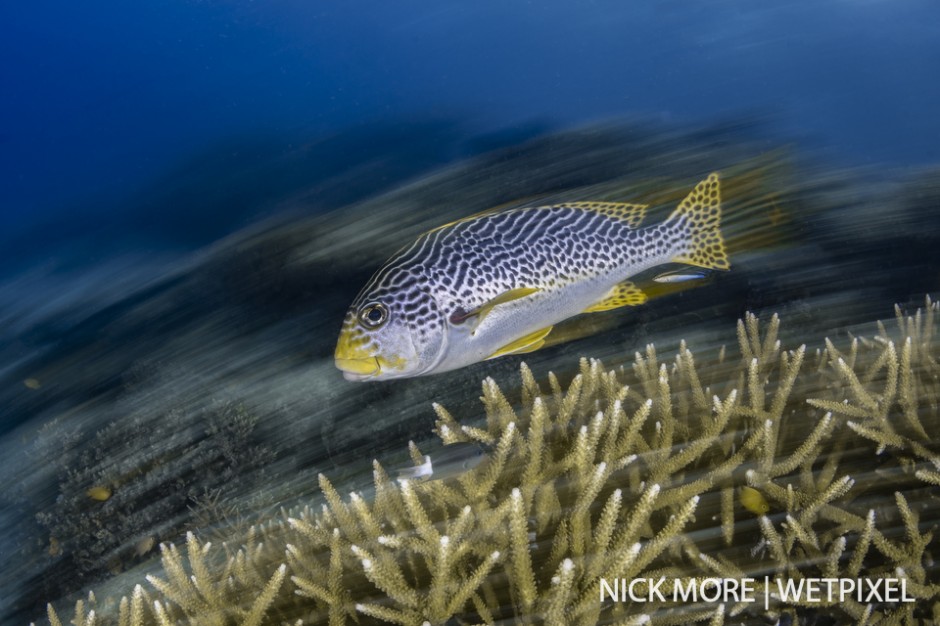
198 390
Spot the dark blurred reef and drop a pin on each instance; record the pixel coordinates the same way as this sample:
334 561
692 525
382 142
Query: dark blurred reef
204 398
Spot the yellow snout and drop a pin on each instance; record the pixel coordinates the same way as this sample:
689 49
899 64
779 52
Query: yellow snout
354 357
364 367
357 357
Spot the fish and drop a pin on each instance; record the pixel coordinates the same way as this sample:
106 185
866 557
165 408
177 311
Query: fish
452 460
754 501
144 545
100 493
682 276
496 284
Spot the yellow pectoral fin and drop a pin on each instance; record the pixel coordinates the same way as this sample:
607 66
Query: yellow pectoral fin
621 294
522 345
507 296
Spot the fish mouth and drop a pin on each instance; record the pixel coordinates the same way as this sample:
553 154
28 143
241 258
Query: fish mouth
359 369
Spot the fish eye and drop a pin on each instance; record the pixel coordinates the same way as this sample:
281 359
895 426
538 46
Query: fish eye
373 315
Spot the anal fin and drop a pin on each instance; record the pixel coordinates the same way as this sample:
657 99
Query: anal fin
621 294
524 344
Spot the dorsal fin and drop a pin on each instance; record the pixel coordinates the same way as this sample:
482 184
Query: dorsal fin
469 218
632 214
499 208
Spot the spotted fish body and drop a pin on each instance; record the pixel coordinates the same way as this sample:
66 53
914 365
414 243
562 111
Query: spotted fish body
497 283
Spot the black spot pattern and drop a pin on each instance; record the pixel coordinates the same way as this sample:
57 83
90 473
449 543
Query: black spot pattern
470 262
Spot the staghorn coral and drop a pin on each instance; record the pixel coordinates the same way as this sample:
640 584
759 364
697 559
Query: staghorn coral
623 473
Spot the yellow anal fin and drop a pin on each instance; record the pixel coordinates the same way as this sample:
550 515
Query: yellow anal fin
578 327
522 345
484 309
632 214
701 211
621 294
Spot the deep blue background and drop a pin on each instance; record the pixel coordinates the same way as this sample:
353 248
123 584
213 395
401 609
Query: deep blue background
98 98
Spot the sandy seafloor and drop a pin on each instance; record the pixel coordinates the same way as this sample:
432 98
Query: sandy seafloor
198 388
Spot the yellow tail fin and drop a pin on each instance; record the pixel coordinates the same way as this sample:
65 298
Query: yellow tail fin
701 214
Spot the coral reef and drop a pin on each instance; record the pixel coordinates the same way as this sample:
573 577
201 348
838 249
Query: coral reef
252 320
113 483
638 471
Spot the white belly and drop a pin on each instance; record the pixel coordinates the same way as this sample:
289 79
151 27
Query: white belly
469 343
505 323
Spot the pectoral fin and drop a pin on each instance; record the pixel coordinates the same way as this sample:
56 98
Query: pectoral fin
621 294
522 345
503 298
484 309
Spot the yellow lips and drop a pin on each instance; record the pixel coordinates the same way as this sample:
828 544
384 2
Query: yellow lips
352 355
364 367
357 359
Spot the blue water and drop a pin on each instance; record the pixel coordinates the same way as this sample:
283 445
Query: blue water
99 98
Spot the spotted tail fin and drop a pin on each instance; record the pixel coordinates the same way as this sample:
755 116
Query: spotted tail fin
699 219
